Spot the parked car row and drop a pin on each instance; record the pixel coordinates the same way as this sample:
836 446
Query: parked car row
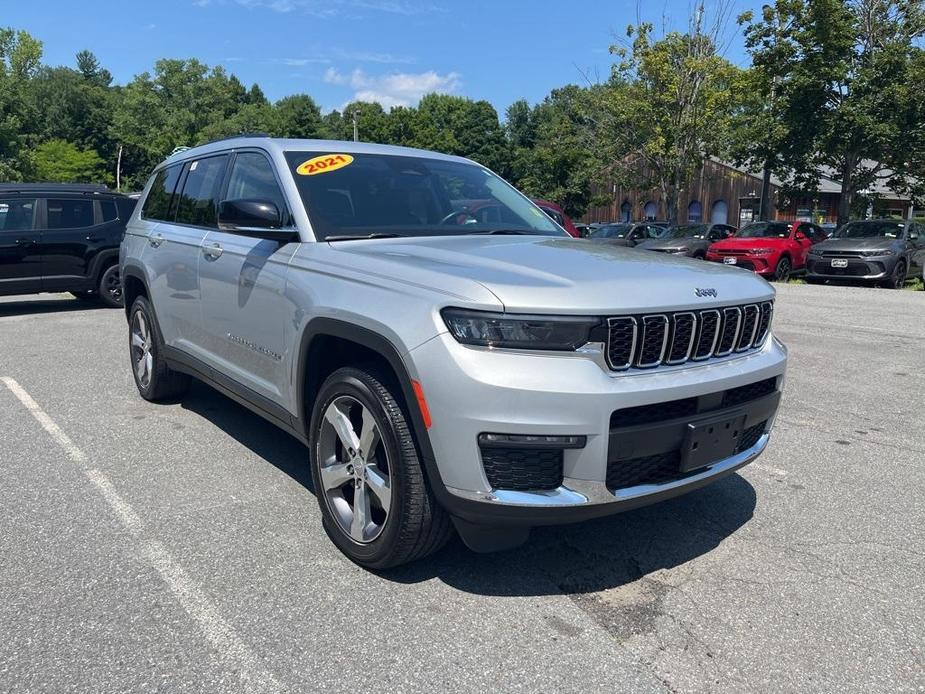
882 251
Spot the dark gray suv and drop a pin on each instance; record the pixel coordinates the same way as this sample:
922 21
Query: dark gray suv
886 251
691 240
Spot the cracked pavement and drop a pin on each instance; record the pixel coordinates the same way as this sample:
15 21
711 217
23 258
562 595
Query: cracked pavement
805 572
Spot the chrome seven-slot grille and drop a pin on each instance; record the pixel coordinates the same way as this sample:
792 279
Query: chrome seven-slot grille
647 341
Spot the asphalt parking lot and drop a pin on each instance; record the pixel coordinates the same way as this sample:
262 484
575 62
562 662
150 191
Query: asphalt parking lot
179 547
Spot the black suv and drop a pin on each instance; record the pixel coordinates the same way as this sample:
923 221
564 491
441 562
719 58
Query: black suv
62 238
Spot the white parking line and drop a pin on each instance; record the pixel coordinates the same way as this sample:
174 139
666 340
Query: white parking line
226 642
72 451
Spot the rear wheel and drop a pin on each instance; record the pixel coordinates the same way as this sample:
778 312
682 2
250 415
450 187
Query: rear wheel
783 269
110 288
155 380
375 503
898 278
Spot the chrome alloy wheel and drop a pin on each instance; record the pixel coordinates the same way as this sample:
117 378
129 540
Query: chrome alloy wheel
354 469
142 359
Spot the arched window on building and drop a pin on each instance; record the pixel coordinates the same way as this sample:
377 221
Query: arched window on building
694 211
625 211
650 211
720 212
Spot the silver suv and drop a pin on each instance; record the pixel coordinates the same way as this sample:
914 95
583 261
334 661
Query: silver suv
449 355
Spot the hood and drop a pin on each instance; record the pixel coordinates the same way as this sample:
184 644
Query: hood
544 274
871 244
746 243
625 243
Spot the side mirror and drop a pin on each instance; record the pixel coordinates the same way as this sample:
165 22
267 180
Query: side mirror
254 217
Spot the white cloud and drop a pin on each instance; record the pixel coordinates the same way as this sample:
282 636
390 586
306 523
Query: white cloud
396 89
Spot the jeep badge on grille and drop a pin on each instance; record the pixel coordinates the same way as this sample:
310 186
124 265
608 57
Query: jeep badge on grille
705 291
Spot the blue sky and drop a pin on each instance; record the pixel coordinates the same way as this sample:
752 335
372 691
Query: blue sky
392 51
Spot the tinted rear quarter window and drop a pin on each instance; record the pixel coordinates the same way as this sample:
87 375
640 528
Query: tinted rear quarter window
198 202
157 204
109 210
16 214
69 214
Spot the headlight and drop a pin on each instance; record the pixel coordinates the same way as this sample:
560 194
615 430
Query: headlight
680 251
518 331
762 251
875 253
814 251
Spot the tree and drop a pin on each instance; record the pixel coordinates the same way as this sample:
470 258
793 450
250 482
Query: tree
299 116
850 108
20 57
667 108
57 161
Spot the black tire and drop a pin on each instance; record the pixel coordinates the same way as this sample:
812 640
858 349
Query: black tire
110 288
161 382
783 269
416 525
898 278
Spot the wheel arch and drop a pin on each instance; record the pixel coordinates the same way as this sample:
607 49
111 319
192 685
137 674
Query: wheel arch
134 285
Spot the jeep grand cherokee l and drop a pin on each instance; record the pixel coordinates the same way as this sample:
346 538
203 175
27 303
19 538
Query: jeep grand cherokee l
443 370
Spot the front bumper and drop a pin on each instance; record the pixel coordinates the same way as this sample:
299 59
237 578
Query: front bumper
760 264
872 268
482 390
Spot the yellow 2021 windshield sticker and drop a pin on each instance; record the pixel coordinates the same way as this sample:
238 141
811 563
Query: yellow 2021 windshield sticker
323 164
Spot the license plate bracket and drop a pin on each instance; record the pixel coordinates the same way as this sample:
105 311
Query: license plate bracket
710 440
729 260
839 262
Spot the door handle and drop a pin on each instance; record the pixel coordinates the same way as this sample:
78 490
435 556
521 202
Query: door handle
214 251
156 239
25 242
93 237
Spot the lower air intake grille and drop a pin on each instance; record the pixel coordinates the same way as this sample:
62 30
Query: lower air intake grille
665 467
522 469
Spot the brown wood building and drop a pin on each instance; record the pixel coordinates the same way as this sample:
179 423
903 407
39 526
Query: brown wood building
727 194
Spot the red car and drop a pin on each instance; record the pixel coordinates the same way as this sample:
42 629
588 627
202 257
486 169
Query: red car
772 249
554 211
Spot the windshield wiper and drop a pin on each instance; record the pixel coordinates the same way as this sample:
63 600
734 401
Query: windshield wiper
358 237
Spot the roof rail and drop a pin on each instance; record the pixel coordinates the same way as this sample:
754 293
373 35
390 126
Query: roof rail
238 136
55 188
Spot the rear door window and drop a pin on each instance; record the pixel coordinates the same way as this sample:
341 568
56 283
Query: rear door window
108 207
69 214
16 214
157 204
198 201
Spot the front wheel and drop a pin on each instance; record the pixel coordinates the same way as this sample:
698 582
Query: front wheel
375 502
898 278
783 269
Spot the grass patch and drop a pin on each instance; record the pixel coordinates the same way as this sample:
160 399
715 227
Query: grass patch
796 281
915 285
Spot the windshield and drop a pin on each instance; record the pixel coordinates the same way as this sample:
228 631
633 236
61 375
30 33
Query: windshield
867 230
765 230
612 231
362 195
688 231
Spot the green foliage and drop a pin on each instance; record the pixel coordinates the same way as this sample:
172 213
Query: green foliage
58 161
842 76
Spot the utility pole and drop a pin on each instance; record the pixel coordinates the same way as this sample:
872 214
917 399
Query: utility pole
119 170
356 137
